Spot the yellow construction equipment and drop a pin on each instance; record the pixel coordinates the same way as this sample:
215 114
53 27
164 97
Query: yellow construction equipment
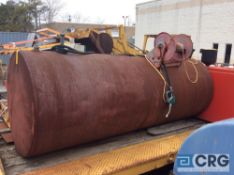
121 46
146 39
99 40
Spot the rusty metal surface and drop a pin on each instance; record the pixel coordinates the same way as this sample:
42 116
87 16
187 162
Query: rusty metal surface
168 45
5 133
170 48
102 41
57 101
4 128
7 137
187 45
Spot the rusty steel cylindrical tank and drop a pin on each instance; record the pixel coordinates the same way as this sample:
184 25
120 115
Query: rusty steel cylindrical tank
57 101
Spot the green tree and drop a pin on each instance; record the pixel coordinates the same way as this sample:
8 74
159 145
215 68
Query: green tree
25 16
51 9
37 8
15 17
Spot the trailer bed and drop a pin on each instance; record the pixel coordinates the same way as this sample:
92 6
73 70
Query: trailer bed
133 153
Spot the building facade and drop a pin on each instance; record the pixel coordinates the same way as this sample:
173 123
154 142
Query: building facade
209 22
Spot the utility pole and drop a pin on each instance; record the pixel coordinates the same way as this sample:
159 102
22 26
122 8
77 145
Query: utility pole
125 18
69 18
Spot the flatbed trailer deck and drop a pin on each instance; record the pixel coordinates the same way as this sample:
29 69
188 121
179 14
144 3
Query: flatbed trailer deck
134 153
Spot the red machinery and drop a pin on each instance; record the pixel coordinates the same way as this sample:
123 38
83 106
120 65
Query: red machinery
221 106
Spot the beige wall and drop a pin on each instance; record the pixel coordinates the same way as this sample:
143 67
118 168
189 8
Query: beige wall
207 21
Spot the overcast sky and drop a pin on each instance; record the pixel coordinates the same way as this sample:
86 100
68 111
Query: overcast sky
102 11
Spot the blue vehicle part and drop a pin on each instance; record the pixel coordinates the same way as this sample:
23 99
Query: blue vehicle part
208 151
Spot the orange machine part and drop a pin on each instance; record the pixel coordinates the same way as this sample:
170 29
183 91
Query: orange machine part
221 106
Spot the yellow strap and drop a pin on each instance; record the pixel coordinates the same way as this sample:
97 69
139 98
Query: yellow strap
2 172
17 56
